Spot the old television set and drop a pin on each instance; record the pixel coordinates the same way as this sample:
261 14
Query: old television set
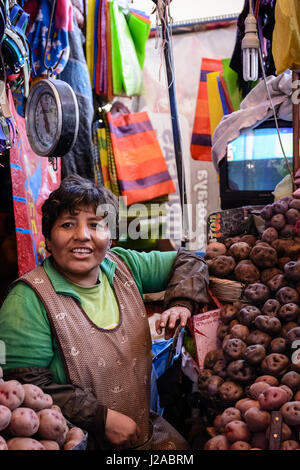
254 165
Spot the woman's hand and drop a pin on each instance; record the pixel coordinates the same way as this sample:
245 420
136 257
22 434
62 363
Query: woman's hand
171 318
120 430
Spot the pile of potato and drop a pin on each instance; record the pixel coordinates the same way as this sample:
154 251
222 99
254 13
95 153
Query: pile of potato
30 421
257 368
248 260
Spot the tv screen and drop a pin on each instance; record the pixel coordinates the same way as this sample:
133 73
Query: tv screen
254 165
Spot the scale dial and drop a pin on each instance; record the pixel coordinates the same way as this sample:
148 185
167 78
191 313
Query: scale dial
51 118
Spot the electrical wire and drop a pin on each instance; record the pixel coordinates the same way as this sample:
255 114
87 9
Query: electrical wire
275 116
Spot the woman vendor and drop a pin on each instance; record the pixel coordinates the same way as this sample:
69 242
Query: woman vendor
77 325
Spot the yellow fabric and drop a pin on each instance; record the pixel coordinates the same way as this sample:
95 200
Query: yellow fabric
214 101
102 145
286 35
99 302
90 28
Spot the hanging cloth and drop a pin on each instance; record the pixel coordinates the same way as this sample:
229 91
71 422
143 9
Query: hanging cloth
286 52
201 137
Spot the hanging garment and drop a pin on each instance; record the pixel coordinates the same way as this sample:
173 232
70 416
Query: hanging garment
201 137
79 160
58 37
286 52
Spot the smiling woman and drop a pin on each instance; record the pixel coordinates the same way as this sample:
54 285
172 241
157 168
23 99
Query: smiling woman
77 325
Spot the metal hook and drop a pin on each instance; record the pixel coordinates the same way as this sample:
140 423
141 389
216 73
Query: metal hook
50 69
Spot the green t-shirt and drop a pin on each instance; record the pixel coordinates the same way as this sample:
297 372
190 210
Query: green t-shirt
24 324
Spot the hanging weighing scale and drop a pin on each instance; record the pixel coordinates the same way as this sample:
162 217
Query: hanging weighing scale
51 118
51 114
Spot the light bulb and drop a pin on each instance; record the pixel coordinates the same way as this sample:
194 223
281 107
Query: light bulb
250 47
250 64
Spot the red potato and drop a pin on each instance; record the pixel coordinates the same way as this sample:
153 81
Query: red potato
240 445
269 379
50 445
230 414
245 403
291 413
237 431
272 398
257 388
11 394
5 415
217 443
24 422
257 420
52 425
3 445
35 398
75 434
70 444
24 443
288 391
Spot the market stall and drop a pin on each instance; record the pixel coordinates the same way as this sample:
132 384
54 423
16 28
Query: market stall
210 173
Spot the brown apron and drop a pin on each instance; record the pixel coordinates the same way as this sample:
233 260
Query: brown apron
115 364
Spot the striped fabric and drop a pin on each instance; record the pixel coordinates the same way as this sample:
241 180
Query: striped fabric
141 168
111 159
201 137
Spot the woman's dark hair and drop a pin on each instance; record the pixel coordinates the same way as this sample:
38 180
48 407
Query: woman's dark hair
73 192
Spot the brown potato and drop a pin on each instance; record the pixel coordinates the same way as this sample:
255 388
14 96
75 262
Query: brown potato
293 335
240 445
269 235
292 380
291 413
222 266
259 337
3 445
212 357
5 416
239 331
250 239
220 368
237 431
277 282
247 314
228 313
254 354
257 420
288 327
24 422
230 240
213 384
289 445
275 364
272 398
257 293
268 324
289 312
269 379
50 445
264 256
246 272
24 443
11 394
230 414
240 251
230 392
204 374
278 345
268 274
287 295
217 443
222 331
245 403
241 372
234 349
214 249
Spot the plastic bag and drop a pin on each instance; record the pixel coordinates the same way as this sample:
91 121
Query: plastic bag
286 36
126 70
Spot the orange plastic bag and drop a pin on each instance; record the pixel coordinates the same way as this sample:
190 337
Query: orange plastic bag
286 36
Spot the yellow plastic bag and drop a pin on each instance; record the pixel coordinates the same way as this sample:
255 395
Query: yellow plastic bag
286 35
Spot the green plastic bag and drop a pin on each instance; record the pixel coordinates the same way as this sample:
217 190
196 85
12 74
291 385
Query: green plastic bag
126 70
139 30
230 77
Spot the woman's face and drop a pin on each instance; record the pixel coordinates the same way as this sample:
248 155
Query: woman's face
78 245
